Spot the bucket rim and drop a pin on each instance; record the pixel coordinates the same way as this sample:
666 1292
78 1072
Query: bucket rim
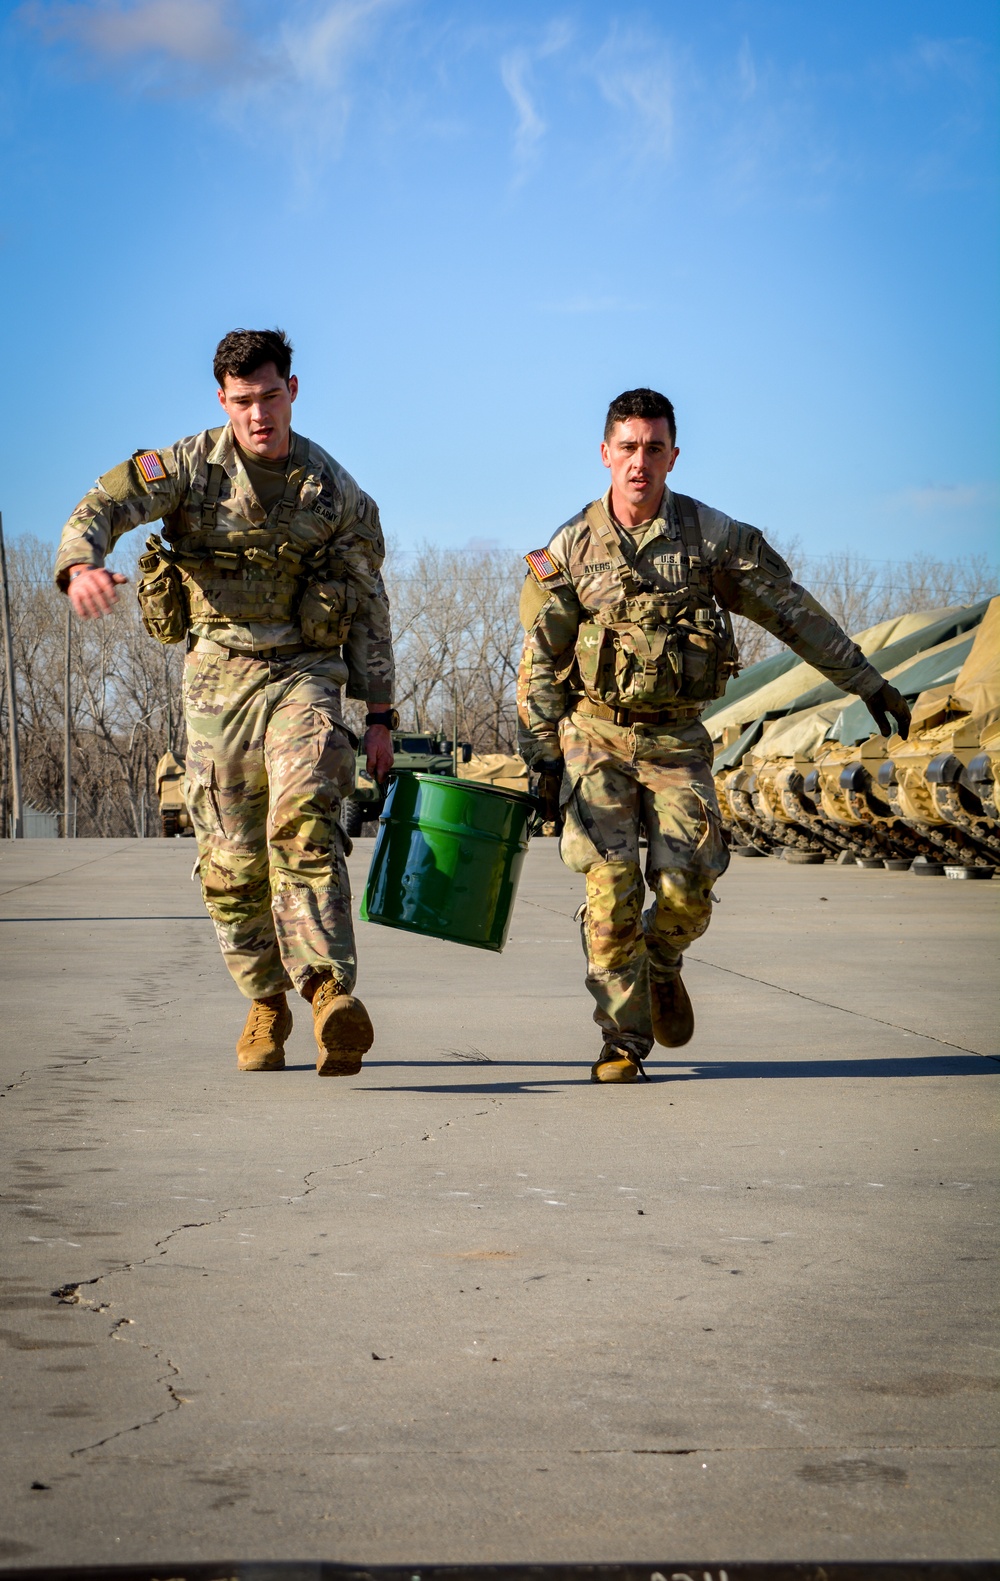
475 785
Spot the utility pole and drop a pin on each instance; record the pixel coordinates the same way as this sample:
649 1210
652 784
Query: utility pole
68 729
17 827
170 711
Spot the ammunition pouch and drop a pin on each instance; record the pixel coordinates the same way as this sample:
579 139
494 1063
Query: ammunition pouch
162 604
648 652
217 571
208 584
326 613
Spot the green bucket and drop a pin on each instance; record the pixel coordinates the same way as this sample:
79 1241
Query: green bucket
447 859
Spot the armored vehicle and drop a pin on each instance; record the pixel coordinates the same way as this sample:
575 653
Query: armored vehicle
819 783
413 754
174 816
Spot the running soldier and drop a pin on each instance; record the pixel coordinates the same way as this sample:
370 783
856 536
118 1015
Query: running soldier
269 570
627 639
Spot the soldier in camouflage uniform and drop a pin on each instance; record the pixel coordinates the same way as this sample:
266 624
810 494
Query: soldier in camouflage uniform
627 638
269 569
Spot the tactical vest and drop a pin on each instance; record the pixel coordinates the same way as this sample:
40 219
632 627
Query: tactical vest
209 575
655 646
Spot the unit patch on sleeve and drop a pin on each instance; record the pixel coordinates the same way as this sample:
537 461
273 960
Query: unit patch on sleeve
542 568
150 465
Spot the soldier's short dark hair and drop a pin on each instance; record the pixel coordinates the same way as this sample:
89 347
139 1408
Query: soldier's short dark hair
640 403
243 351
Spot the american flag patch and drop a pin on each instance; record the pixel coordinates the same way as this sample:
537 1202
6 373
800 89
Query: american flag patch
540 566
150 466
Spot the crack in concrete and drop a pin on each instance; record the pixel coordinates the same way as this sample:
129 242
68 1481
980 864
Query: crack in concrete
63 871
177 1400
69 1294
863 1015
748 977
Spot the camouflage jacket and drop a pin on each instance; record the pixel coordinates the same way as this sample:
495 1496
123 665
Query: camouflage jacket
331 510
747 577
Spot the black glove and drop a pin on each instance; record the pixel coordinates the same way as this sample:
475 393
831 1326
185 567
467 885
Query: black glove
888 704
545 780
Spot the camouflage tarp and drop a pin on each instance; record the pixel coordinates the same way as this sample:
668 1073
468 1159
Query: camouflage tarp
933 668
801 732
893 641
917 640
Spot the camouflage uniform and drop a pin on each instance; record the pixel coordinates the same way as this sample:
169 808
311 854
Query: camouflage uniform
269 758
623 714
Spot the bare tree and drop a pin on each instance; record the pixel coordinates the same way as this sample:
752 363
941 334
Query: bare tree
457 640
123 686
860 593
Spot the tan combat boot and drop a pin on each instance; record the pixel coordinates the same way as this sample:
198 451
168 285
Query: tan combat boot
262 1042
343 1029
618 1063
672 1011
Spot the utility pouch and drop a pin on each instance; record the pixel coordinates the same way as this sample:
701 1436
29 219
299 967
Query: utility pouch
709 653
326 613
161 597
628 665
648 669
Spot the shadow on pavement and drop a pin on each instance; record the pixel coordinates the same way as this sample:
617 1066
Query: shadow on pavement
690 1070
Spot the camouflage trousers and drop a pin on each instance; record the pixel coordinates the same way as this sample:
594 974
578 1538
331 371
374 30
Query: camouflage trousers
618 782
268 764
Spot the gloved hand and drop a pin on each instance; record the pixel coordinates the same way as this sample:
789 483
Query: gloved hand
545 779
888 704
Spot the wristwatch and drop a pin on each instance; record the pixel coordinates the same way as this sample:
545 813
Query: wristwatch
390 719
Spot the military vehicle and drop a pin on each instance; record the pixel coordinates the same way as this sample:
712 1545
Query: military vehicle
412 754
174 816
820 783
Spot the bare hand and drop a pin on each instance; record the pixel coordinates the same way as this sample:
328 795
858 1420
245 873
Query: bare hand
377 746
93 591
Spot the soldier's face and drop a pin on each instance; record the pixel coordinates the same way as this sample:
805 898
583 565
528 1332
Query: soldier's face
639 455
260 410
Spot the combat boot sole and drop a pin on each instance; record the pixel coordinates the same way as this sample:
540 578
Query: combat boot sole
672 1012
261 1045
344 1033
618 1068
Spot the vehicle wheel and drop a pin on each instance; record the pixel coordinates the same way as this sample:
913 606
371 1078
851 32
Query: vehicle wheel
170 825
352 818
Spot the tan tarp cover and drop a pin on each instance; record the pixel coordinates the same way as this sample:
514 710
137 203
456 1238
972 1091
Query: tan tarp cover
976 688
798 733
496 768
917 658
802 677
806 730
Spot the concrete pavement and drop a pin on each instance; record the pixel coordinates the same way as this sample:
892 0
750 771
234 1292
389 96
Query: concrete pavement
467 1306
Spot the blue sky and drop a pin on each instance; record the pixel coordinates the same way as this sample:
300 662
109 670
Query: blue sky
479 222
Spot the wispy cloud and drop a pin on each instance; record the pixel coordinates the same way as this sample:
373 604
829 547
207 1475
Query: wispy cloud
181 44
320 45
962 59
927 498
294 66
634 73
516 68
